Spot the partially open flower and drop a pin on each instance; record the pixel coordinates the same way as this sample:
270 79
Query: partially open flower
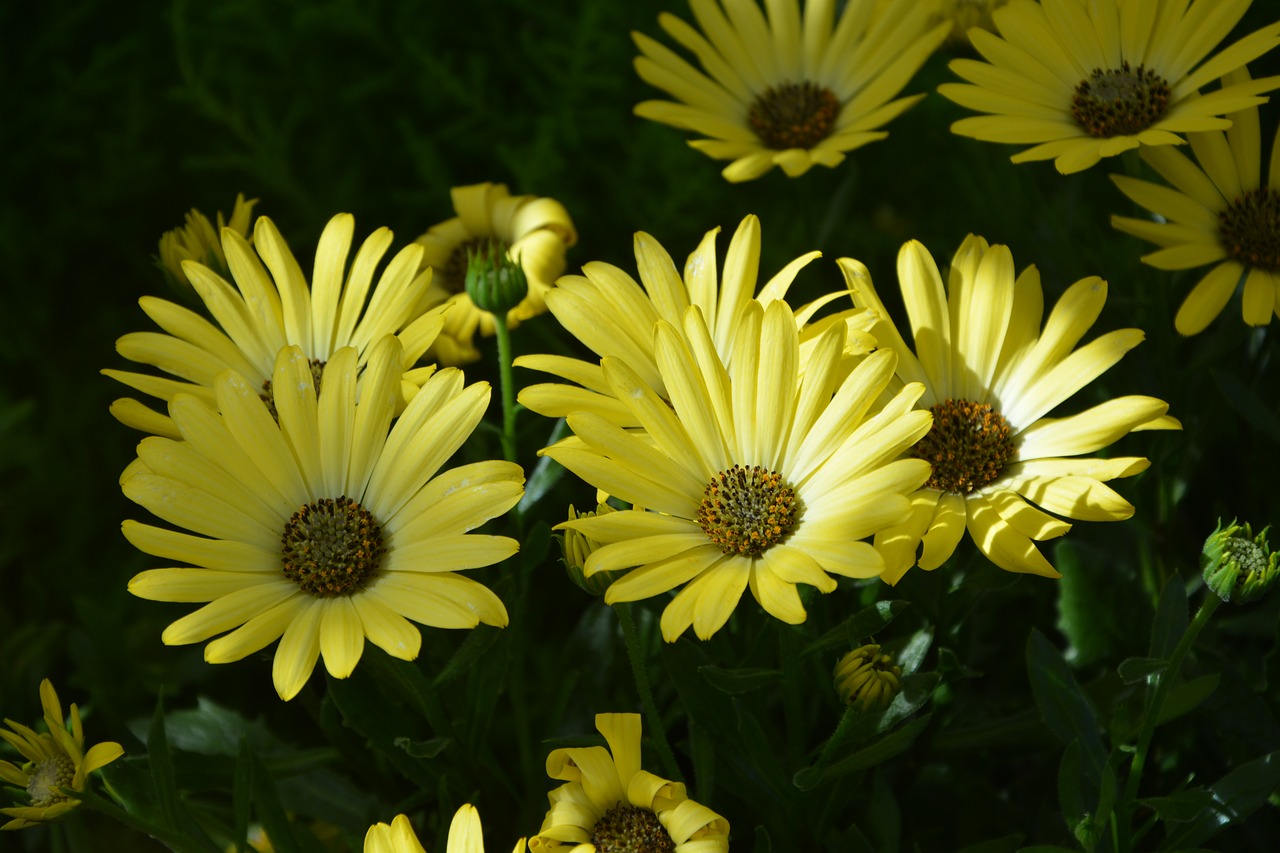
199 241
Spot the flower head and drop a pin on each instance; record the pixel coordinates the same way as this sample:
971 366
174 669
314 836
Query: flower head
868 679
1237 565
1219 213
322 526
991 376
466 835
273 307
759 474
533 231
55 759
791 90
1082 81
199 241
608 803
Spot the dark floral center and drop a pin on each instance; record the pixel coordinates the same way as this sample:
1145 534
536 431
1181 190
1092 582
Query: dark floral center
1250 229
968 447
268 394
47 777
453 275
332 547
630 829
1120 102
794 115
746 511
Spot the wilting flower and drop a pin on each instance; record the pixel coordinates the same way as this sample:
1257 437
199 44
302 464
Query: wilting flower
1237 565
1079 82
273 307
1219 213
607 802
868 679
199 241
613 316
991 377
321 526
761 474
54 759
791 90
534 231
465 835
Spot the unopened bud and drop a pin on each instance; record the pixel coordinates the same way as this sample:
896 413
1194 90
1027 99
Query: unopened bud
577 547
495 282
867 679
1237 565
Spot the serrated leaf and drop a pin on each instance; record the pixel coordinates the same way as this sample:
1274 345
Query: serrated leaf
1186 697
1171 619
738 681
1063 705
853 631
1135 670
1233 798
1183 806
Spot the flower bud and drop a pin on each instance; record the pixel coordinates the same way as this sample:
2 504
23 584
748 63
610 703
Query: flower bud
198 240
867 679
1237 565
495 282
576 547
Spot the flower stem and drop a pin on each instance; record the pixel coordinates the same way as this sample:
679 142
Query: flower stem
653 719
508 389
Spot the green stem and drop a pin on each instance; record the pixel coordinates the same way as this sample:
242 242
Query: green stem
653 719
838 738
508 389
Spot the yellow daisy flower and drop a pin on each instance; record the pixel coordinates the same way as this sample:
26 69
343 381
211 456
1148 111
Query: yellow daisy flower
1219 213
55 759
762 474
273 307
991 375
963 15
465 835
322 527
791 90
198 241
608 802
1082 81
534 231
613 316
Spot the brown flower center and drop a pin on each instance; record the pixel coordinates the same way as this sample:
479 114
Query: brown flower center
746 511
47 777
968 447
453 275
1120 102
268 394
1250 229
332 547
794 115
630 829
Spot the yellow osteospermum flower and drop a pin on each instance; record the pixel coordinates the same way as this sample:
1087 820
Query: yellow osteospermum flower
761 474
199 241
991 375
1082 81
608 802
534 231
56 759
793 89
323 527
465 835
273 307
613 316
1219 213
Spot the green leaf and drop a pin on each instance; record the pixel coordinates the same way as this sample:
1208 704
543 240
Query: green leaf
1183 806
1064 707
1185 697
884 817
1135 670
173 814
367 710
736 681
763 843
537 541
912 654
479 640
853 631
1070 791
423 748
266 805
882 750
545 474
1248 404
242 794
1233 798
1171 619
1003 844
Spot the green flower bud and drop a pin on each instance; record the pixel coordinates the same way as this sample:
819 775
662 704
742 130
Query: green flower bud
1237 565
867 679
495 282
576 547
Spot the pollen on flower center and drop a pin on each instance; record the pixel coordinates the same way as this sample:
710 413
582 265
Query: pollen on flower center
332 547
268 395
630 829
1120 102
47 777
453 275
746 511
1250 229
968 447
794 115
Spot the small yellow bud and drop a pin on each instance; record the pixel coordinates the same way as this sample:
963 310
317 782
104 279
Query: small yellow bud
867 679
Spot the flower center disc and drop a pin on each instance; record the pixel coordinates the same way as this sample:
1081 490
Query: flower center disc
453 275
746 511
794 115
968 447
1250 229
630 829
50 775
332 547
1120 102
268 395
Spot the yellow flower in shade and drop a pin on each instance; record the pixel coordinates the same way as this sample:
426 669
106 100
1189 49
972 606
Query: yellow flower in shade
1081 81
963 15
54 759
791 90
1218 213
991 375
465 835
199 241
761 475
612 315
608 802
868 679
323 527
272 307
534 231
